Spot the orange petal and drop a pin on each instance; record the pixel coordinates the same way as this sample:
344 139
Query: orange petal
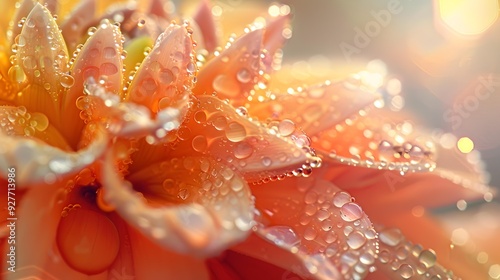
22 11
75 25
205 20
235 72
39 212
9 8
100 60
52 6
151 260
396 250
41 61
203 225
38 163
125 119
276 33
165 77
19 122
320 224
258 151
316 108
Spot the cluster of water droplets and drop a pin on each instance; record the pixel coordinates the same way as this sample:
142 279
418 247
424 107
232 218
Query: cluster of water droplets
333 236
202 185
400 257
125 119
263 152
17 121
385 145
39 55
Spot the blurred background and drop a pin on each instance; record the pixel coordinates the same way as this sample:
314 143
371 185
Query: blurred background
445 53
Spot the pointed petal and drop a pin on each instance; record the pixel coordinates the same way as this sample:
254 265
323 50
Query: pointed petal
22 11
320 224
125 119
52 5
165 77
276 33
75 25
205 20
151 260
41 61
235 72
38 163
100 60
203 225
316 108
258 151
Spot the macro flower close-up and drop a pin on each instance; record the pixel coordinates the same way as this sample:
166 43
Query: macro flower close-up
158 139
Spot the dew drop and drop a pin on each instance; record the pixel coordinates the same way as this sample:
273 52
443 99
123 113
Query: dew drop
220 122
243 150
391 236
235 132
428 258
266 161
166 76
356 240
17 74
282 236
310 233
67 81
108 69
183 194
200 143
341 198
243 75
351 212
406 271
286 127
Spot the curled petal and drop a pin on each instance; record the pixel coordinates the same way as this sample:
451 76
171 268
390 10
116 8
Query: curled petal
125 119
260 152
235 72
201 226
38 163
41 61
75 25
318 223
100 60
165 77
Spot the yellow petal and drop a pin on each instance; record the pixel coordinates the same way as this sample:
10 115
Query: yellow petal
75 25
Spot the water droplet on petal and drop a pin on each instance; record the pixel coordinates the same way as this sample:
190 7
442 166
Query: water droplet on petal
350 212
406 271
243 75
356 240
391 236
199 143
428 258
235 132
286 127
341 198
243 150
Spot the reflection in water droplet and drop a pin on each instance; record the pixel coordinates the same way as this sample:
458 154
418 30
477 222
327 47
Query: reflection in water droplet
282 236
183 194
286 127
341 198
356 240
350 212
428 258
243 150
266 161
235 132
390 236
199 143
406 271
243 75
67 81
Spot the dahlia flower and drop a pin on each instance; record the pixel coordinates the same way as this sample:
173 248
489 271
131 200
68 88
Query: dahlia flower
136 147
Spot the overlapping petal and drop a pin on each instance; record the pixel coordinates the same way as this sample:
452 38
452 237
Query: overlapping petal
219 211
